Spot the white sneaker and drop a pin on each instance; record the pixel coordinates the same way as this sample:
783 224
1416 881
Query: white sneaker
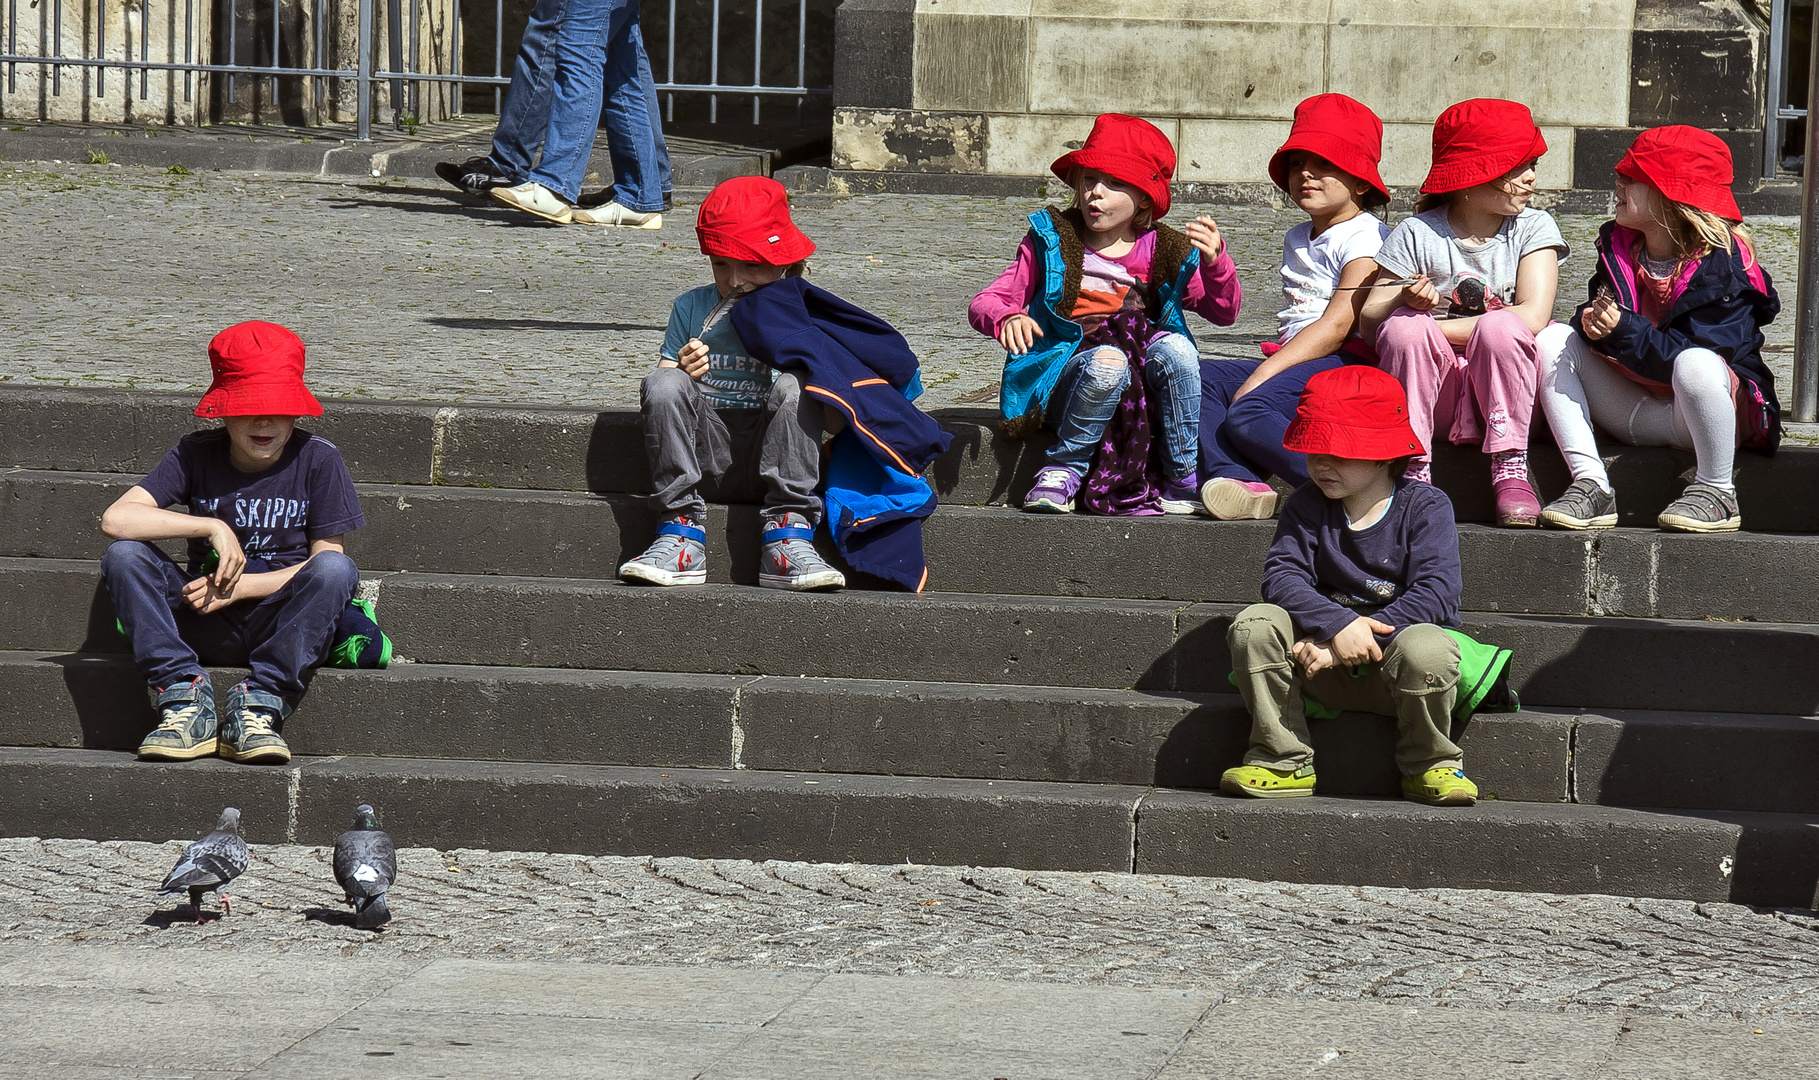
613 214
533 198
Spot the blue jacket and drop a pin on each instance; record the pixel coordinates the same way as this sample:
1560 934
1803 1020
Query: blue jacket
1030 378
855 362
1721 305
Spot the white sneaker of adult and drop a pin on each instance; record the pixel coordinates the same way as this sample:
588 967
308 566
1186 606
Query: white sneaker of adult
533 198
613 214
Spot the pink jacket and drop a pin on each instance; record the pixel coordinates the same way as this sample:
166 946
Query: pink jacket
1212 293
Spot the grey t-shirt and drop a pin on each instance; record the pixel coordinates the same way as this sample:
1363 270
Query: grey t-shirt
1426 244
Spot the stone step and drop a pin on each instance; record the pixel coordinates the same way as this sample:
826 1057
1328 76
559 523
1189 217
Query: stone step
581 450
1560 661
750 814
1638 572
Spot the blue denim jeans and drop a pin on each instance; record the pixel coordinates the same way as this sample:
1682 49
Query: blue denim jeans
580 66
1243 441
283 637
1087 394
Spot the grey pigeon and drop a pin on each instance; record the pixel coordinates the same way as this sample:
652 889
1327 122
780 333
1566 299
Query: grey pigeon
366 865
210 863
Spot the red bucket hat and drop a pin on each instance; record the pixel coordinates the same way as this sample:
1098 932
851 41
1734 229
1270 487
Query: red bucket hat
1355 411
1479 140
1339 129
258 369
1687 165
747 218
1128 149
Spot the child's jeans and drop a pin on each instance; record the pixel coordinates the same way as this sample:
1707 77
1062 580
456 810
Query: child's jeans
770 455
1484 394
1093 381
1415 683
283 637
1242 440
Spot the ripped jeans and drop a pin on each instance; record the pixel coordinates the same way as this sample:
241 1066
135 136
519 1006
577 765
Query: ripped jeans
1087 393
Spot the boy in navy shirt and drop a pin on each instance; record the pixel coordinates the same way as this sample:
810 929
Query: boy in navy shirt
267 576
1360 580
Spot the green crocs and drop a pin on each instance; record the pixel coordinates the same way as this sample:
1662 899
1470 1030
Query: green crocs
1440 787
1260 782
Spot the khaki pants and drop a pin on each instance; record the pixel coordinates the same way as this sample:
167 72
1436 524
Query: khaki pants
1415 683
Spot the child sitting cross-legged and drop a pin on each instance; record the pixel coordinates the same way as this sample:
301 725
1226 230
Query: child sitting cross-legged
1361 582
267 582
1096 293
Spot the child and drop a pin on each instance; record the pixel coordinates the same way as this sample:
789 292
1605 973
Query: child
1095 290
1477 270
1328 167
274 503
1363 574
1668 352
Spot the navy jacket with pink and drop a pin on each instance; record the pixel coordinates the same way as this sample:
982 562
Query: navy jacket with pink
1719 303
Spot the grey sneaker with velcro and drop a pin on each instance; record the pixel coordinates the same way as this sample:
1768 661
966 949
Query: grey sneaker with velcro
186 723
1583 505
1702 508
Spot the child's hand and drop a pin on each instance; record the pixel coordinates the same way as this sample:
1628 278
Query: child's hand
232 556
1598 319
1314 656
204 596
693 358
1422 295
1018 334
1356 645
1203 233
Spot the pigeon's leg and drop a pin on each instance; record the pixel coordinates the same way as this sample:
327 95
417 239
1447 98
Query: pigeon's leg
227 905
195 904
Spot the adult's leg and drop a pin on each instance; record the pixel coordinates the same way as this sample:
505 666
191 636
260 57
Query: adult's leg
147 589
1171 370
524 115
684 440
1219 457
1411 346
1256 422
289 632
789 461
1090 386
575 95
633 136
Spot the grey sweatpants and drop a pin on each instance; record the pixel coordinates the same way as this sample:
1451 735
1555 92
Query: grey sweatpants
770 456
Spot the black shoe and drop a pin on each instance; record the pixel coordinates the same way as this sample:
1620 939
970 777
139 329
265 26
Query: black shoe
591 199
476 175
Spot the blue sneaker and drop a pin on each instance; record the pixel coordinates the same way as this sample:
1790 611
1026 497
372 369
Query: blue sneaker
249 733
186 723
1182 496
1054 491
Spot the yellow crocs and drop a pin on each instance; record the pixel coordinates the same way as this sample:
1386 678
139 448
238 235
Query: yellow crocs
1440 787
1264 783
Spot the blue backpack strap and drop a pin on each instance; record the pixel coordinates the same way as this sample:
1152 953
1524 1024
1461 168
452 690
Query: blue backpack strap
771 536
687 532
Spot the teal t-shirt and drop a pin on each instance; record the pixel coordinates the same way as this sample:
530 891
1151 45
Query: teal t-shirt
734 379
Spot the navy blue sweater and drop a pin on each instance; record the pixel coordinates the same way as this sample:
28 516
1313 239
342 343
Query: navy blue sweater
1402 570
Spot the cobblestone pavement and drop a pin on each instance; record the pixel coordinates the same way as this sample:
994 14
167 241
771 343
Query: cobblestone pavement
1476 949
118 276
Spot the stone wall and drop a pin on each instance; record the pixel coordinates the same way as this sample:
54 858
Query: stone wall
150 30
1002 87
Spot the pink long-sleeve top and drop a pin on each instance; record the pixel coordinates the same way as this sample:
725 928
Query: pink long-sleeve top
1213 291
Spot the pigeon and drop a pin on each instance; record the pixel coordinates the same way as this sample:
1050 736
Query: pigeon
366 865
210 863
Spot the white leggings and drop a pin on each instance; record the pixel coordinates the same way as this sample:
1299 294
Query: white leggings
1579 387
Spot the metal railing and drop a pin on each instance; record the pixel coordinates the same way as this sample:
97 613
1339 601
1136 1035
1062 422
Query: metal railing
84 47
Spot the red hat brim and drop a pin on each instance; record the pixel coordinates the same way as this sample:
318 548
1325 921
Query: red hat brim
1132 170
258 397
1469 168
1332 147
789 246
1306 436
1683 186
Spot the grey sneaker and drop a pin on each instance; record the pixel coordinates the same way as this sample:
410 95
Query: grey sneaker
249 732
1702 508
533 198
1583 505
613 214
677 557
186 723
790 560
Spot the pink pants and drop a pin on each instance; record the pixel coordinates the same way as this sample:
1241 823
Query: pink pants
1485 394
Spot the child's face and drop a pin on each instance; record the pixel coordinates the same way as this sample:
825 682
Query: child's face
257 442
1319 187
1339 477
1635 203
1508 195
738 275
1108 204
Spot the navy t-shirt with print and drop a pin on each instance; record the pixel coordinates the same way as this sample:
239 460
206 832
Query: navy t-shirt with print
308 495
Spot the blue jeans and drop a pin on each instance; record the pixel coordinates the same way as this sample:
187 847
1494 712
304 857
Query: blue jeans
580 66
1088 393
283 637
1243 441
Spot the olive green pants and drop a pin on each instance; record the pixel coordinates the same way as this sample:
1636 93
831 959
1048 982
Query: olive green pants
1415 684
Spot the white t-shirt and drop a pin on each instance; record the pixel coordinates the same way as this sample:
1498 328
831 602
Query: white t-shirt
1310 268
1426 244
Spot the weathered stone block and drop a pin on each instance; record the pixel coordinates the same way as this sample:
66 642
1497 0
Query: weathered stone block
971 62
1227 151
902 140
